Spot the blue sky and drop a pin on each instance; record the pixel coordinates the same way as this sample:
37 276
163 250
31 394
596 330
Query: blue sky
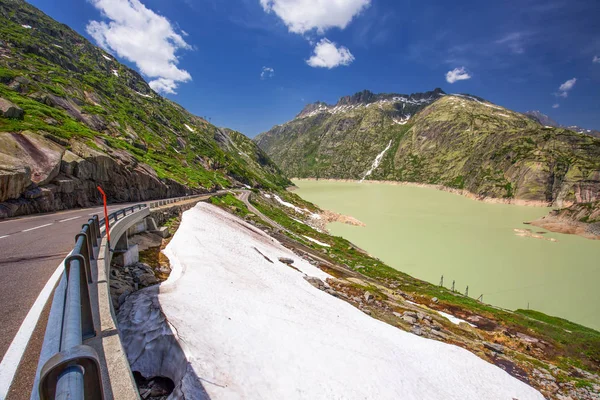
252 64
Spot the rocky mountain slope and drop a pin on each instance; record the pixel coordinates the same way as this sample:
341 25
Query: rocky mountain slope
72 117
458 141
545 120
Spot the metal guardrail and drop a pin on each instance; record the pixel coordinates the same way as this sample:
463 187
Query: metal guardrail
74 372
114 216
160 203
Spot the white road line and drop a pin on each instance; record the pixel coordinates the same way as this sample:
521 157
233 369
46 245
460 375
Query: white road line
69 219
12 357
37 227
2 237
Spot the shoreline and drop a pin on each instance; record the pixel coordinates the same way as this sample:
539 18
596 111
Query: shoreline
460 192
565 226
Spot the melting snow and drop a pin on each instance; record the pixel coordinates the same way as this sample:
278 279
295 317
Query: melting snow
478 101
454 319
316 241
115 73
503 115
267 195
57 45
253 328
189 128
290 205
108 58
26 26
403 120
144 95
377 161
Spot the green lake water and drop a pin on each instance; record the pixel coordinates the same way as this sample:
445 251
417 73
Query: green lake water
428 233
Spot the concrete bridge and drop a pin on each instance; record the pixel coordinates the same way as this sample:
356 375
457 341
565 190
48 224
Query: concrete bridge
35 293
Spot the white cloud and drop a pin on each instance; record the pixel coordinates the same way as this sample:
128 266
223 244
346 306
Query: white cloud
555 105
457 74
514 41
143 37
301 16
328 55
596 60
267 72
563 90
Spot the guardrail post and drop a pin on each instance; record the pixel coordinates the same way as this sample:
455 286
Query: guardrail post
96 228
86 230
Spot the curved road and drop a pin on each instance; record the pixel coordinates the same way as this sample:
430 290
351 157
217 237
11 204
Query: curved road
31 249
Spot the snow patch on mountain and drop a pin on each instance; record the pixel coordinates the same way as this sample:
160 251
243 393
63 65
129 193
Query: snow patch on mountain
376 162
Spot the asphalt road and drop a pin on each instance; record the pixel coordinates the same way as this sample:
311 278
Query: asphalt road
31 248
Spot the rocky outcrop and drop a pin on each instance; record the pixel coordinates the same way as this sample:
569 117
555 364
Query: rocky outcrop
581 219
10 110
38 175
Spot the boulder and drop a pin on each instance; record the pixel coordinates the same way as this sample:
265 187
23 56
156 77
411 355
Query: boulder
369 297
10 110
285 260
20 84
316 282
495 347
26 158
13 179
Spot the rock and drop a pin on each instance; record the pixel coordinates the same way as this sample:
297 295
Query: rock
23 152
10 110
411 314
438 334
495 347
316 282
416 330
20 84
368 296
397 314
435 300
123 297
526 338
285 260
409 319
13 179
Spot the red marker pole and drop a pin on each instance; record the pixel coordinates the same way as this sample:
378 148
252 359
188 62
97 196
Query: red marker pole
105 215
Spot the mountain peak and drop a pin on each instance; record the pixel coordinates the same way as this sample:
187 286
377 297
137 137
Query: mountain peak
366 97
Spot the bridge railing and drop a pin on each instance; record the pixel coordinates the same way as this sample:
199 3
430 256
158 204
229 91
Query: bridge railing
74 371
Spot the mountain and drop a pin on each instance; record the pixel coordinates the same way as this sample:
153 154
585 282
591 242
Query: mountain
72 117
542 119
545 120
458 141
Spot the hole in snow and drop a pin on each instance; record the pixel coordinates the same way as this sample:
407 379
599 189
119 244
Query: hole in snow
157 387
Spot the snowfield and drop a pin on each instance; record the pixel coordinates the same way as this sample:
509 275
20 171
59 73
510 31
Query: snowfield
251 327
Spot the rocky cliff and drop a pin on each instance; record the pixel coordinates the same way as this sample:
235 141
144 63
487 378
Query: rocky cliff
458 141
72 117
